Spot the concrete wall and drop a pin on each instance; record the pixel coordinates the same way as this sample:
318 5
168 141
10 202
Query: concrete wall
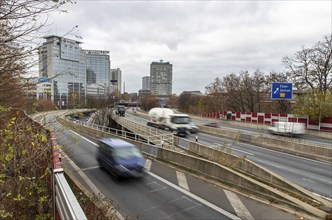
293 147
247 168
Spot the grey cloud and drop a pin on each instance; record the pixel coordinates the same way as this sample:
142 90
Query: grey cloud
202 39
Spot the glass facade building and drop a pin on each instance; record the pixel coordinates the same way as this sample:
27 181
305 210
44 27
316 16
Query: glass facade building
117 79
98 66
69 69
146 83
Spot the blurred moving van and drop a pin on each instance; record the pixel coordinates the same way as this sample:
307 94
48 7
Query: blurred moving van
120 158
287 128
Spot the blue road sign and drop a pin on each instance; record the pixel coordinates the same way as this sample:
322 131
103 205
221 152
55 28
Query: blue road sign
282 91
43 79
163 102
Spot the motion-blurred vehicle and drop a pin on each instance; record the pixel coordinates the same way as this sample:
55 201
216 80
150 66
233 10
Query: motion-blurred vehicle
120 110
165 118
120 157
287 128
212 124
193 128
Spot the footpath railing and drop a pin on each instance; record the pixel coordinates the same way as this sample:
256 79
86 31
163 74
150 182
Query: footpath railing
137 132
65 204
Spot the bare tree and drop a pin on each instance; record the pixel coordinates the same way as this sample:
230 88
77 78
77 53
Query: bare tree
149 101
261 89
188 103
234 99
205 104
173 101
20 24
312 67
311 71
215 90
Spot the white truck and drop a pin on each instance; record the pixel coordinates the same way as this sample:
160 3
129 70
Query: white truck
165 118
287 128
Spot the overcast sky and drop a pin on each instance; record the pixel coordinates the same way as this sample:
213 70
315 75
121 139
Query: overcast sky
202 39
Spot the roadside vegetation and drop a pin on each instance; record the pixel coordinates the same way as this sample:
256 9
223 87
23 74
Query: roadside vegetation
26 153
25 146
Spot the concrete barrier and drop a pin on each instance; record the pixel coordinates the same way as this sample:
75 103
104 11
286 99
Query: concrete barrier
302 149
293 147
253 170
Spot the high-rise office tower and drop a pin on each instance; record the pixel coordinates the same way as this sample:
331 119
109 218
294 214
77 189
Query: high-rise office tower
98 67
161 78
63 62
146 83
117 79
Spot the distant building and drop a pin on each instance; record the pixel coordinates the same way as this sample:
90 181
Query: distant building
44 90
161 78
193 92
98 67
142 92
99 91
146 83
117 79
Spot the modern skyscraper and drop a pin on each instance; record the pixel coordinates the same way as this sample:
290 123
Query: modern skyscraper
161 78
63 62
69 69
146 83
117 79
98 67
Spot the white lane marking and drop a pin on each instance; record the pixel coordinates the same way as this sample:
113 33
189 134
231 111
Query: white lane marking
148 164
182 180
199 199
84 137
238 206
90 168
242 151
305 179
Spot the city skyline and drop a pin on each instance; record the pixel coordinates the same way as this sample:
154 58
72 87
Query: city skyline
213 39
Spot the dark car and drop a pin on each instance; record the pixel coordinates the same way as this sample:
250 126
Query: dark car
212 124
120 158
120 110
193 129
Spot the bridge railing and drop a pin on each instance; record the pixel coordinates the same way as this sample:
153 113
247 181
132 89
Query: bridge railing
137 132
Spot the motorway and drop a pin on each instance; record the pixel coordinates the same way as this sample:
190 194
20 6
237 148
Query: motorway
310 174
164 192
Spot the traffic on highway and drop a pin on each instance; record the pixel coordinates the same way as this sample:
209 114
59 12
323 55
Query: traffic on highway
164 192
313 175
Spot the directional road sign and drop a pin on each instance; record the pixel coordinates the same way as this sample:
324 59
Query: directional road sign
42 79
282 91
